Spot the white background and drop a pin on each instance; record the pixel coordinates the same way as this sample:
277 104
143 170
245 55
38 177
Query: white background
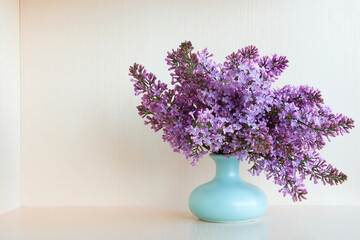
82 142
9 105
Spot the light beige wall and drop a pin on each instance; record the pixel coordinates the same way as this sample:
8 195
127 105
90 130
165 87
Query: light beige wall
82 140
9 105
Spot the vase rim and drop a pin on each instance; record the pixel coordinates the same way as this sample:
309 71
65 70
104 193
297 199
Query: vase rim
224 156
221 154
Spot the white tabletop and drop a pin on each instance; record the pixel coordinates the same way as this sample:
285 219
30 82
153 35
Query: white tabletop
107 223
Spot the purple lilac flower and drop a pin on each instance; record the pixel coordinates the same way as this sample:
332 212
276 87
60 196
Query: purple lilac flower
230 108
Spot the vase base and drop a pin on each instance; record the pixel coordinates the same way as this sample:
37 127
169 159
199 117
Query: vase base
241 221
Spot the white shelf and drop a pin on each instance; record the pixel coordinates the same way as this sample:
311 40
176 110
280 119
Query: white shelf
107 223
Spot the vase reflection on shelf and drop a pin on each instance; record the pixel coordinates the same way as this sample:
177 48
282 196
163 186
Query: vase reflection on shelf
227 198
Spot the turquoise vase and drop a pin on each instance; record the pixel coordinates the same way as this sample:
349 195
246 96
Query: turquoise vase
227 198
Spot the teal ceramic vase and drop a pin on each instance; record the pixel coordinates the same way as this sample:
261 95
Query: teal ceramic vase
227 198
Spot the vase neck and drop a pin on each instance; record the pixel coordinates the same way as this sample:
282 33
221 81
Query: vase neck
227 167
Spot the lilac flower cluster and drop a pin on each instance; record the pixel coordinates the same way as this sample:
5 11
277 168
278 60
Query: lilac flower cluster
230 108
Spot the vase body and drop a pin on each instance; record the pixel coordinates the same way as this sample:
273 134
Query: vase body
227 198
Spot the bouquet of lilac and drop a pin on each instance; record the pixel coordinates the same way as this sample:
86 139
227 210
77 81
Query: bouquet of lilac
230 108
